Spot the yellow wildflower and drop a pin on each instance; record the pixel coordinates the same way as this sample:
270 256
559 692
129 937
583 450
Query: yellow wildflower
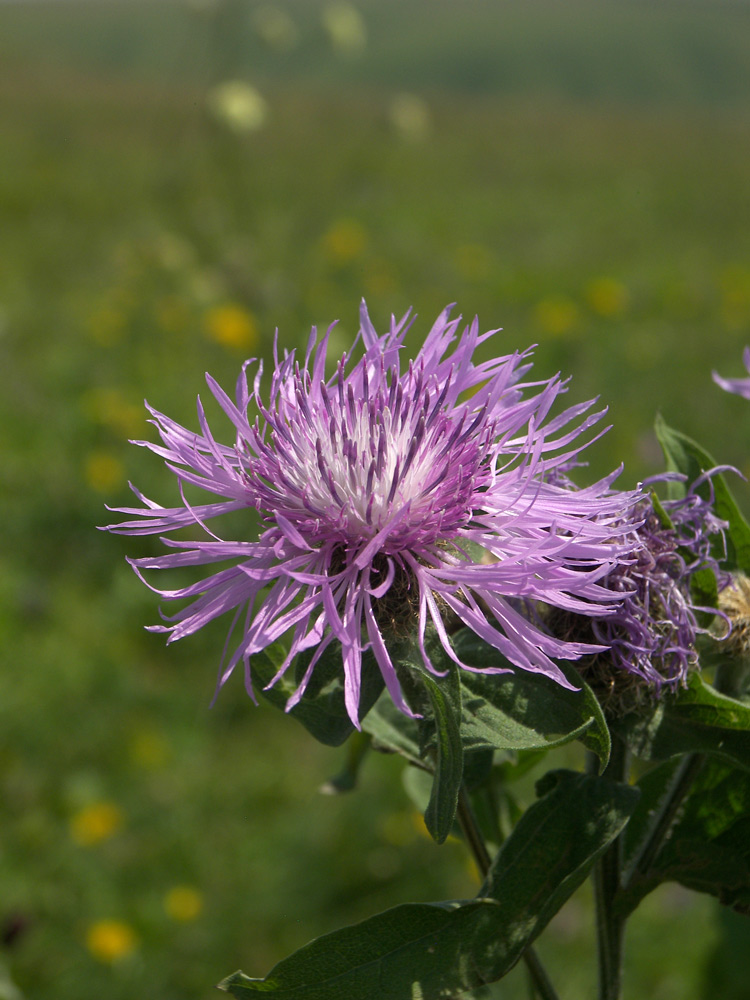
109 407
232 326
183 903
110 940
473 262
103 471
149 749
95 822
735 297
345 240
557 316
607 297
106 325
171 314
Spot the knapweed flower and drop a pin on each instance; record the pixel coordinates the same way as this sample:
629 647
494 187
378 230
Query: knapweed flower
652 634
426 488
741 386
734 602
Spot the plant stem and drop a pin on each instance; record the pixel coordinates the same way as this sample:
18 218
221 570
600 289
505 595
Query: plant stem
473 836
682 780
610 926
728 681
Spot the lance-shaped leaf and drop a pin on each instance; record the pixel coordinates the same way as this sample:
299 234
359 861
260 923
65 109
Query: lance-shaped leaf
322 709
525 711
444 727
433 741
696 719
684 455
708 848
561 835
442 949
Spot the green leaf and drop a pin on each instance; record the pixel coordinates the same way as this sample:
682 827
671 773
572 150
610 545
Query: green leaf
478 768
445 700
656 788
521 710
664 519
517 711
441 949
683 455
704 592
697 719
708 848
553 847
432 742
322 709
413 950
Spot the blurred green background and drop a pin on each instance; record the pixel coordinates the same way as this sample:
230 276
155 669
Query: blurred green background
176 181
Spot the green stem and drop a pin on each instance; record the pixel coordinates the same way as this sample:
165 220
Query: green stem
610 926
473 836
729 681
731 676
664 817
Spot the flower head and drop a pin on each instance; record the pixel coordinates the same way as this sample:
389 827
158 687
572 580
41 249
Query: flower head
410 492
734 604
652 634
741 386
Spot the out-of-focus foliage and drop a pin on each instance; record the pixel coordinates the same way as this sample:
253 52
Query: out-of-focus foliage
576 174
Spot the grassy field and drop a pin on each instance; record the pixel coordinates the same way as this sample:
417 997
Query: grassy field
576 175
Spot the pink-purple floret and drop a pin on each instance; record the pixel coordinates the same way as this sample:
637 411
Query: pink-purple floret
441 472
740 386
653 632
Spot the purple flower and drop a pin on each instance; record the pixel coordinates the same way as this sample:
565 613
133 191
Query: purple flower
423 490
739 385
653 632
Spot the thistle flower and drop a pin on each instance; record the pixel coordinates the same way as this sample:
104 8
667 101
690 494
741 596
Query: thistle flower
741 386
390 491
652 633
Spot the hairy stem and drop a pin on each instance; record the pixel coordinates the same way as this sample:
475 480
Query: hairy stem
473 837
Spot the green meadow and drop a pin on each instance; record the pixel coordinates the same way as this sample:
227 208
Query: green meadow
577 175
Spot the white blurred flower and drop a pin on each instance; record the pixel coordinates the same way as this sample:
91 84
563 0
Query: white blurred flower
238 105
173 252
275 27
345 26
203 7
410 116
